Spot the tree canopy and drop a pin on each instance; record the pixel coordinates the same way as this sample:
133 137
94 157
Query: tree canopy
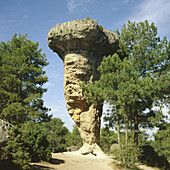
134 84
22 78
58 135
21 91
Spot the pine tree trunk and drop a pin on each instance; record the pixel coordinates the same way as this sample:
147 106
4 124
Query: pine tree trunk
136 130
126 131
118 129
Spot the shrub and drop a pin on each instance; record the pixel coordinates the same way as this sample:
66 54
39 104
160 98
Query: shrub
127 154
107 138
101 28
28 143
57 134
76 138
88 18
150 157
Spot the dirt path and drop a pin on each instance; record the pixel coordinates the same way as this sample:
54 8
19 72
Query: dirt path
76 161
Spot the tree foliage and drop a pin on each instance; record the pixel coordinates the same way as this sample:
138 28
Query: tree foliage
22 78
75 137
58 135
161 142
128 154
134 84
28 143
21 91
107 138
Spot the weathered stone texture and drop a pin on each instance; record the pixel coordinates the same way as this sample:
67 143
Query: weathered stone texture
81 44
4 128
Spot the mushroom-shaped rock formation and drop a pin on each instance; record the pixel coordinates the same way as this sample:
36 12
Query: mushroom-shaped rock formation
81 44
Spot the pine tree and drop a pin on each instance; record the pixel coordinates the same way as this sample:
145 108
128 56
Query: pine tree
133 85
161 140
58 135
149 56
28 143
21 91
75 137
107 138
22 78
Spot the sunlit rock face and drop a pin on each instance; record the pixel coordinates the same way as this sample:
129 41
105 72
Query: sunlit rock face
81 44
4 128
4 136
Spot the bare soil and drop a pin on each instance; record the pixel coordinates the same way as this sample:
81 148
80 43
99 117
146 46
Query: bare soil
76 161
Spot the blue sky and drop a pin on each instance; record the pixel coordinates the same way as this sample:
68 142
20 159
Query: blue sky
37 17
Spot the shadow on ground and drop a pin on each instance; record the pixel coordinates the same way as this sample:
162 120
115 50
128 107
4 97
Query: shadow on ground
8 165
52 161
38 167
56 161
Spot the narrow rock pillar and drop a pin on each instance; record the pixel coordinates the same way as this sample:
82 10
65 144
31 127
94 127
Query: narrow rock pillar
81 44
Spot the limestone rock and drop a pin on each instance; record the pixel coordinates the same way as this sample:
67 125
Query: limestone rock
81 44
4 128
114 147
82 35
72 148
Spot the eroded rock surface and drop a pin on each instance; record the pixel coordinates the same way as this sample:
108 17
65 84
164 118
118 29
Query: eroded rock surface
4 128
81 44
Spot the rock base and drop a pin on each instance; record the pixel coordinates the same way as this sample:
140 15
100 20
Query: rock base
94 150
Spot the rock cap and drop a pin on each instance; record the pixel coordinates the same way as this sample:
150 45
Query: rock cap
84 34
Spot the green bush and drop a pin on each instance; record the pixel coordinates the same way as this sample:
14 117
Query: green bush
88 18
127 154
161 142
57 134
150 157
101 28
28 143
107 138
75 137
